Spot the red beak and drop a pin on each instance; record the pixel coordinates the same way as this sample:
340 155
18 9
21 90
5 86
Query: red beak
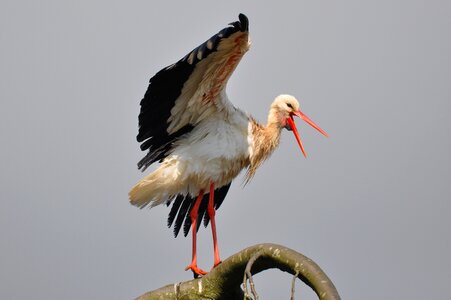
295 131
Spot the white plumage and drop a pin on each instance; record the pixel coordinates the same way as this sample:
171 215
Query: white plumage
217 149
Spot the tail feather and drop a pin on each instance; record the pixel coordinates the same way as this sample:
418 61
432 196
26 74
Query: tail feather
141 194
151 190
157 187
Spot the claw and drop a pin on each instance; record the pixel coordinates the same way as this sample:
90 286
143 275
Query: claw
196 270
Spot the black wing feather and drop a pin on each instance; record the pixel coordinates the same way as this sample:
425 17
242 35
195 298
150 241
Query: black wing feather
175 209
202 209
182 206
186 206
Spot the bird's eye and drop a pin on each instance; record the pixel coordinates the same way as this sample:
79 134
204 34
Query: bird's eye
289 105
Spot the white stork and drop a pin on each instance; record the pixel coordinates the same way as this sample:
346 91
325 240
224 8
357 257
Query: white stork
202 141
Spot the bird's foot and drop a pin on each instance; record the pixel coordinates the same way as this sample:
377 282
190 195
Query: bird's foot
196 270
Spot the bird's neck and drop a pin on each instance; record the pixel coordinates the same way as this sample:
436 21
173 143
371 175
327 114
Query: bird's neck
265 139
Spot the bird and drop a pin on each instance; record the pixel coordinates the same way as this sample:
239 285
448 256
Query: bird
199 139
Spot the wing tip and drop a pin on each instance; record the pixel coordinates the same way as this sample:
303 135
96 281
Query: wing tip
244 22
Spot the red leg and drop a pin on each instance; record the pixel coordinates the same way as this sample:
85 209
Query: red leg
193 214
211 214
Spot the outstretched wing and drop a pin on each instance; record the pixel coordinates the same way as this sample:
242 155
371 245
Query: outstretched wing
183 94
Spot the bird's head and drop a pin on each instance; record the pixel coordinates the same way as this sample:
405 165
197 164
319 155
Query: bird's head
283 109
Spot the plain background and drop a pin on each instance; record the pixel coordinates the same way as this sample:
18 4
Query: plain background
371 204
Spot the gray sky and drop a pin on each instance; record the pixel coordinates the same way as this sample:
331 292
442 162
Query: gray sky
371 204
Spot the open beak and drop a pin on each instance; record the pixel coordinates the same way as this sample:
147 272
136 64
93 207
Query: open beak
295 131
